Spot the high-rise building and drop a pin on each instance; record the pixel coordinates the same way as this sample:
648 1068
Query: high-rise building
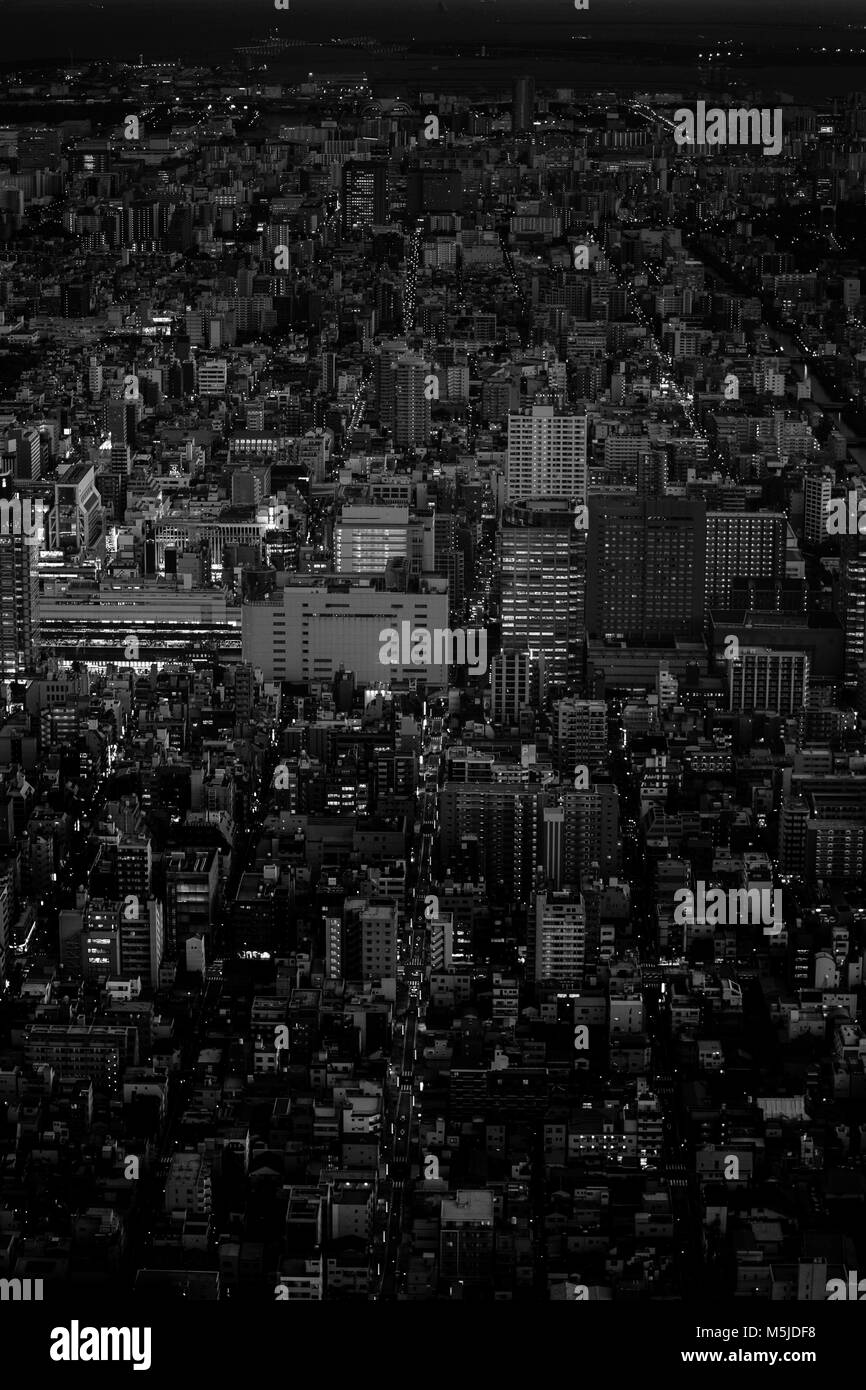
366 538
75 521
142 941
852 608
742 545
817 491
441 930
560 938
546 455
145 220
94 1050
763 680
523 104
513 685
579 735
19 587
411 408
645 567
212 376
191 879
503 823
365 194
793 819
542 564
379 940
328 363
453 554
581 832
28 455
134 865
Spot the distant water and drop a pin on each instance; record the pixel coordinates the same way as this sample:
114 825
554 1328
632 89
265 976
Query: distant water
639 51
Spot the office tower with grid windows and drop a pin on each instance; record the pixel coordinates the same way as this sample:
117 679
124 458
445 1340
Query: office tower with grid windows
645 567
365 194
743 545
851 607
761 680
546 455
542 566
20 535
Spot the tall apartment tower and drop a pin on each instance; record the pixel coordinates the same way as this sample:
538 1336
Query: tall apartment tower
523 104
546 455
542 566
645 567
743 545
579 735
559 938
19 588
406 407
503 821
328 371
581 831
817 491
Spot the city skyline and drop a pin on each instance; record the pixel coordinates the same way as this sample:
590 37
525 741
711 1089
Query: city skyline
432 676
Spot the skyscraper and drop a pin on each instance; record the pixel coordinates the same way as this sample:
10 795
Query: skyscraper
365 194
645 567
546 455
411 424
523 104
560 938
543 589
852 607
817 490
20 527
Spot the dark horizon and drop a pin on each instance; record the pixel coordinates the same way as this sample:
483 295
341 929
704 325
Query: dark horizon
51 29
